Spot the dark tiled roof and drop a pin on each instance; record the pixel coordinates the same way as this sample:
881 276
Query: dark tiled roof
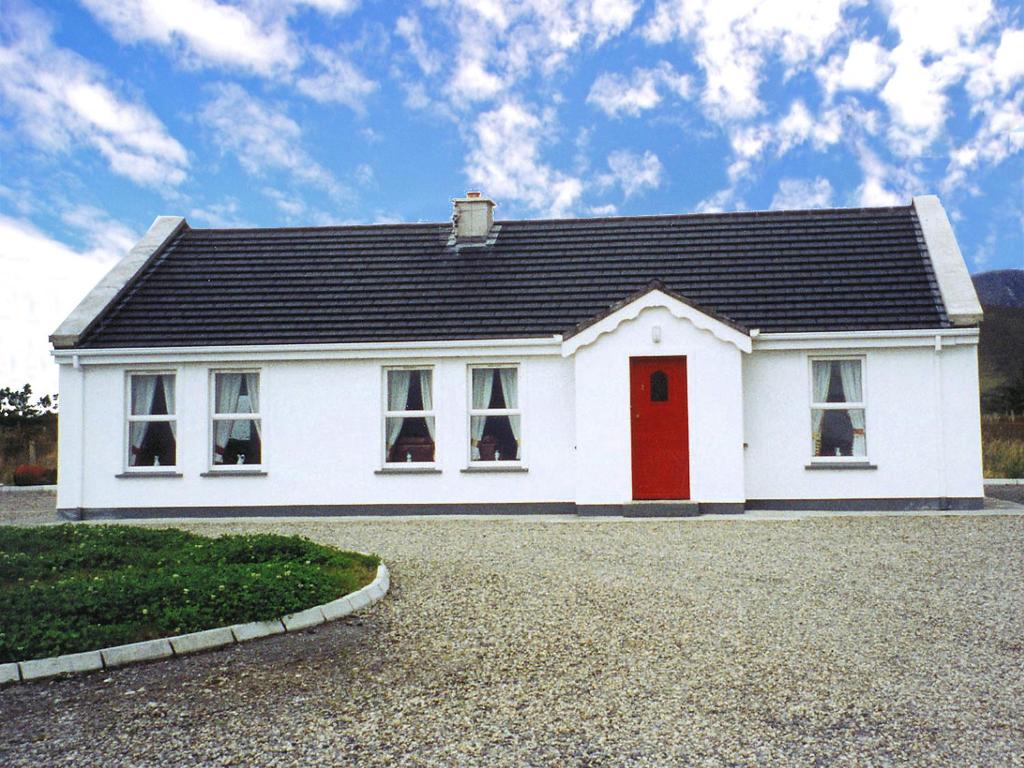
826 270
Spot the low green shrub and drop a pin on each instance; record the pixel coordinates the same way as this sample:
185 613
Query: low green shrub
1003 458
71 588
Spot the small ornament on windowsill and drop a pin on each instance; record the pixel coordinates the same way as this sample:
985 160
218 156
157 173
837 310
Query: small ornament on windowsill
408 457
497 455
241 459
156 461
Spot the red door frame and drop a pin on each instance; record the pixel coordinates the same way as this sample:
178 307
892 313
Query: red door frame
659 428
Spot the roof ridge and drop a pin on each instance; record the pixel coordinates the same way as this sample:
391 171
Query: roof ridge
378 226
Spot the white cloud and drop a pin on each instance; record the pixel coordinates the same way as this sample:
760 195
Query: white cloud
473 82
290 205
108 238
410 29
500 43
720 201
865 66
633 172
329 6
795 128
63 101
938 26
798 194
251 36
938 48
338 81
221 215
45 279
917 104
505 161
984 252
734 39
616 94
203 31
262 137
882 184
800 126
1000 135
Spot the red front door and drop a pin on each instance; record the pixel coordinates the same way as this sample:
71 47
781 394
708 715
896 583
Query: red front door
661 441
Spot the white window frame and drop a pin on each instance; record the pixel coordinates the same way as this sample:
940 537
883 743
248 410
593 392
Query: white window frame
411 466
214 417
471 412
130 418
849 406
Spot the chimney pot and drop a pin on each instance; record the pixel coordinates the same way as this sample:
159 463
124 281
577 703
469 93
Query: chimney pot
472 218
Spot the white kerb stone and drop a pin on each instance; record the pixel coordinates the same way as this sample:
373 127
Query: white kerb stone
337 609
202 641
257 629
384 577
360 599
61 665
120 655
293 622
9 673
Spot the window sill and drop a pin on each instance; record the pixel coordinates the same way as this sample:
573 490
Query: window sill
407 471
841 465
147 473
234 473
495 468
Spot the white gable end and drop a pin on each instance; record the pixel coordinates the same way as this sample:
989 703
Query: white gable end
657 299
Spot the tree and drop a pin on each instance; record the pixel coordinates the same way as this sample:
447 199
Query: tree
16 405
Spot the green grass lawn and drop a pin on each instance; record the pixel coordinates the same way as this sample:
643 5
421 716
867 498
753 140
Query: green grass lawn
71 588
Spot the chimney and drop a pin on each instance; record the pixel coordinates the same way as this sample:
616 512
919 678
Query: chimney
473 218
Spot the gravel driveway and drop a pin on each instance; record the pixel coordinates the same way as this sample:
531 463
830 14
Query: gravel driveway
512 642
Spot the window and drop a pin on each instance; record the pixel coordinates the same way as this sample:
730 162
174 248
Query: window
837 409
494 416
237 428
659 387
409 416
152 421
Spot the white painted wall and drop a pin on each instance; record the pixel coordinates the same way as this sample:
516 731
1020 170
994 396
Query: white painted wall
323 434
322 439
922 424
715 400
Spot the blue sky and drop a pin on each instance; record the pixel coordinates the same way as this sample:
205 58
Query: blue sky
299 112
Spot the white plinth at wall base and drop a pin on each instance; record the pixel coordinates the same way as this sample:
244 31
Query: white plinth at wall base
207 639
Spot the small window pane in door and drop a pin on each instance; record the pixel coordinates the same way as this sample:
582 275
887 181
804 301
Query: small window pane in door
659 387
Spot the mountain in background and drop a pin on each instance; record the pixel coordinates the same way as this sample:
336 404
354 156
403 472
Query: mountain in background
1001 347
1000 288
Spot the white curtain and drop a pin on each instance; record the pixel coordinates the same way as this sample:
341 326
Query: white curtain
398 400
510 388
483 382
169 399
427 394
822 377
230 384
822 371
850 372
143 394
252 384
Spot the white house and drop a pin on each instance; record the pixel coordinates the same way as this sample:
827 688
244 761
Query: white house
629 365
